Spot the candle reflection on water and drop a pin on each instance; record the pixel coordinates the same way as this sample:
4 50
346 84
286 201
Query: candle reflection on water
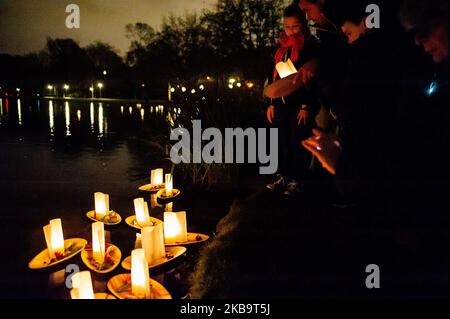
1 107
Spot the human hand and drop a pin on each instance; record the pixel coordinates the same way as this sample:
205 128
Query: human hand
306 73
270 114
326 147
302 117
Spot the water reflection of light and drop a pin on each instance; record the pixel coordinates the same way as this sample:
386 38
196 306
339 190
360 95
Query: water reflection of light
151 109
67 111
19 111
101 122
7 105
79 115
92 116
121 109
142 114
1 107
170 120
51 117
130 110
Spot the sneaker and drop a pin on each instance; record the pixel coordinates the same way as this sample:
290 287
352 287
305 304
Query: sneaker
278 184
293 189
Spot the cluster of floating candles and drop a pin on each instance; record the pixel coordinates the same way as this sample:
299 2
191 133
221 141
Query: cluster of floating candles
150 247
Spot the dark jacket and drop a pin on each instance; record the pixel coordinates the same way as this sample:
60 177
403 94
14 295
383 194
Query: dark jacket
307 96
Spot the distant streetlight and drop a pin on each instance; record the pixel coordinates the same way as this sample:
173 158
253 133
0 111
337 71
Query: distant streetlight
183 89
105 72
91 89
100 86
250 84
18 90
201 87
193 91
232 80
239 84
172 90
66 88
51 88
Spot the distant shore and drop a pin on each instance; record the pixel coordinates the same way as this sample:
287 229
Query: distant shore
83 99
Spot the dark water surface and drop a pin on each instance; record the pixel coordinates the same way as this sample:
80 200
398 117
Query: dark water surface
53 156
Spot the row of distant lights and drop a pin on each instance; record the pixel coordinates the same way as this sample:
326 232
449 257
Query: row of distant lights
157 109
66 87
184 89
232 82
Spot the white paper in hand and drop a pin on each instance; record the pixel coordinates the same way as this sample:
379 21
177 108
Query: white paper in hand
285 68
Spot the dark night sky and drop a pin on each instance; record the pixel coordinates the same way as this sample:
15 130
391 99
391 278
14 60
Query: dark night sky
25 24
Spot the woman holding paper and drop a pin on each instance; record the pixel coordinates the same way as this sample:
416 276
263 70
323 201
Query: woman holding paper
294 114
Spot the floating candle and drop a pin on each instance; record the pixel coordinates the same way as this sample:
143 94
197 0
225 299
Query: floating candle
142 213
156 176
82 286
54 238
169 185
140 277
98 242
101 204
153 243
175 227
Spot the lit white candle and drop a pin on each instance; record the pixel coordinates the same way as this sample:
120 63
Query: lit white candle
82 286
98 242
101 204
54 238
169 185
169 207
140 277
156 176
175 227
153 243
142 213
286 68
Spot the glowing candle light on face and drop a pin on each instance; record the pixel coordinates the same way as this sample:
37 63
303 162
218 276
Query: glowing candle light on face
169 185
101 204
175 227
82 286
140 277
98 242
142 213
54 238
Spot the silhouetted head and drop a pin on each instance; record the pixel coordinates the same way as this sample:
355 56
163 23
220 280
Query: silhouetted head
313 9
428 20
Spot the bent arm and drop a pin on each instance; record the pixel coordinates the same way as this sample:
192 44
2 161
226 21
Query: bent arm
283 87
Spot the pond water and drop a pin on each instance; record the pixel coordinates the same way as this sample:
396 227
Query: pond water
54 155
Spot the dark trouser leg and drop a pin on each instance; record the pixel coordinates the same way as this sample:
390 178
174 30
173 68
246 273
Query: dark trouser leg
300 159
282 122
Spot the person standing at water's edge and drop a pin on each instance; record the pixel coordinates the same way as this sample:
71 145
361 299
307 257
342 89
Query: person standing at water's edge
294 114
